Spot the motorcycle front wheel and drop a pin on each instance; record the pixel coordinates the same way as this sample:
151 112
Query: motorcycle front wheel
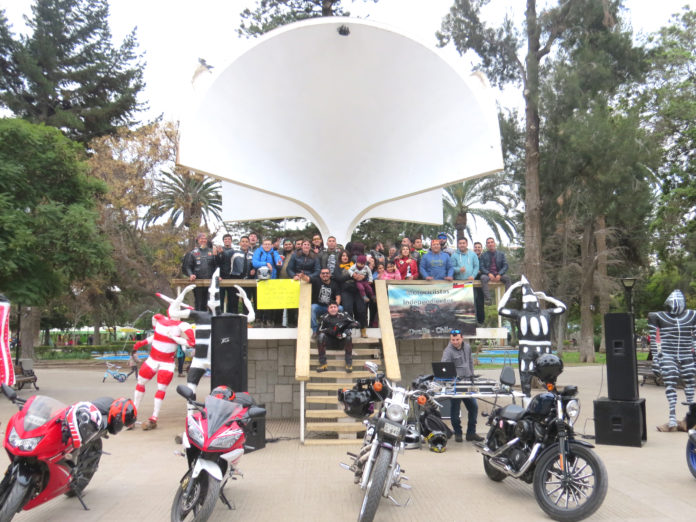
87 466
691 456
579 494
14 501
199 502
375 486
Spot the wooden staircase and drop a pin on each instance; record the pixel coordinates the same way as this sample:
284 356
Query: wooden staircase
325 421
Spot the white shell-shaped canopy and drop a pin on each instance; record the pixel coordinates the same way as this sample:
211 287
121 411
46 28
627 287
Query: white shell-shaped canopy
339 129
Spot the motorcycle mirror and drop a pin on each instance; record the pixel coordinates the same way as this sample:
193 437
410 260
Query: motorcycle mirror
507 376
186 392
371 366
9 392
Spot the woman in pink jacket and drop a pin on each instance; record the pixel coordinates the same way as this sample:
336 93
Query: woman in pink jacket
406 265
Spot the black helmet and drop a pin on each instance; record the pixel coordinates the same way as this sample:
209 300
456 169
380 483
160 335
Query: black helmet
548 367
437 441
223 392
121 413
356 403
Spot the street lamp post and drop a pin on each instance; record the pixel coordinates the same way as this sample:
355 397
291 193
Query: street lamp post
628 284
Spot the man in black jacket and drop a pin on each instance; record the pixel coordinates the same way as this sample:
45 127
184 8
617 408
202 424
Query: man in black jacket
224 261
334 332
493 267
324 292
201 264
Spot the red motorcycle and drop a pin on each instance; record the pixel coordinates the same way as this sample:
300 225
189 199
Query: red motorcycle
54 448
215 442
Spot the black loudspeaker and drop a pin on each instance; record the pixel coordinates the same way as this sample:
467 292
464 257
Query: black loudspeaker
255 431
621 423
622 367
228 359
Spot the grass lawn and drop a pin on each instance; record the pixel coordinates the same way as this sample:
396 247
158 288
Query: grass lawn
570 357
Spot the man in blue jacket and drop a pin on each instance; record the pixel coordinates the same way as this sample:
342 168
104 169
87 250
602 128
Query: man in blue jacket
464 262
493 267
436 264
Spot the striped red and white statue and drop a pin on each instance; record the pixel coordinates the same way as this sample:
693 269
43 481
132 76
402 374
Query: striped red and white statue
7 375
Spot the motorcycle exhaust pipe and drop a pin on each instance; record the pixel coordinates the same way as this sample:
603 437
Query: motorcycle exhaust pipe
488 452
505 468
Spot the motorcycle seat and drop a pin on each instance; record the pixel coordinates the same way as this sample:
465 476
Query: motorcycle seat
244 399
512 412
103 404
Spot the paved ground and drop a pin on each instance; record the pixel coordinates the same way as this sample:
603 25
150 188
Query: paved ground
290 482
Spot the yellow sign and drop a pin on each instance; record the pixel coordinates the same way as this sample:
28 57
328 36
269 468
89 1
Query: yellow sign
274 294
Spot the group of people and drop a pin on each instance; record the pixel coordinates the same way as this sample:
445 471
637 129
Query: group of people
344 275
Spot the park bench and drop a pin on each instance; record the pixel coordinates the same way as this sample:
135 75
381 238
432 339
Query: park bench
24 373
645 371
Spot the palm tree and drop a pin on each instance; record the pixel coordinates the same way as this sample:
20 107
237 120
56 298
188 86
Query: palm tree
479 198
187 198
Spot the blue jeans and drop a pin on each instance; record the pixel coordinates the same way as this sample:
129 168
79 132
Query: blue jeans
471 407
317 311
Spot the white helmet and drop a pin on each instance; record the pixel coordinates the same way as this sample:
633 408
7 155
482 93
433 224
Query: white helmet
263 273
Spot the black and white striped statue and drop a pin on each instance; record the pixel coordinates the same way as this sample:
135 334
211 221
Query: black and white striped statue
533 325
672 348
202 320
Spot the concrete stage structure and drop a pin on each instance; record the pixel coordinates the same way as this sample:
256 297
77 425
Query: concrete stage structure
313 115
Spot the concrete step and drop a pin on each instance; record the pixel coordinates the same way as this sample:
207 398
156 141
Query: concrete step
336 427
325 414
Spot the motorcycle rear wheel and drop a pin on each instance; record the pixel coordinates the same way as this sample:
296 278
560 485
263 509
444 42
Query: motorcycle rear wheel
691 456
375 486
14 501
199 504
584 491
121 377
87 466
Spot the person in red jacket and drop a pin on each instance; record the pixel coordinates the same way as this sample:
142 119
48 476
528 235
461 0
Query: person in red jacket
406 265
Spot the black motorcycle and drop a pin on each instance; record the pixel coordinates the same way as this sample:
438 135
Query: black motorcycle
537 444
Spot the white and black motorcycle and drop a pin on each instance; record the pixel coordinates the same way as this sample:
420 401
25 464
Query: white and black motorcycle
376 467
537 444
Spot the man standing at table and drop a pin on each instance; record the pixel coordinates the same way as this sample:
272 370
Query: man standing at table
459 352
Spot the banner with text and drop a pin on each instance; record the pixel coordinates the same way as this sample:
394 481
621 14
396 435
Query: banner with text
276 294
423 311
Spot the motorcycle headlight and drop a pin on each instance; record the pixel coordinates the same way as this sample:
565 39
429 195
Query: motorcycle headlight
225 442
572 409
23 444
395 412
195 433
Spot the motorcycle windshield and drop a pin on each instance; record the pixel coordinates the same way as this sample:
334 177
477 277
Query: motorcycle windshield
40 411
220 411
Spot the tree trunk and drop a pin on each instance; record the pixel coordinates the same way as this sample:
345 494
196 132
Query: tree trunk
602 269
97 335
558 328
29 335
532 200
587 294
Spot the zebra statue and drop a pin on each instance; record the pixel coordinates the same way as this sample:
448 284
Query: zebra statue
672 348
201 358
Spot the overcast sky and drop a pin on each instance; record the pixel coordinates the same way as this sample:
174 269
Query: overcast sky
173 34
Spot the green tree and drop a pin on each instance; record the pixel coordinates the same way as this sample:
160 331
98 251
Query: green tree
270 14
500 49
671 92
187 198
473 198
48 226
595 169
67 73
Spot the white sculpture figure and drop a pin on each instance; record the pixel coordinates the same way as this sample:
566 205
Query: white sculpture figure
534 325
201 359
672 346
